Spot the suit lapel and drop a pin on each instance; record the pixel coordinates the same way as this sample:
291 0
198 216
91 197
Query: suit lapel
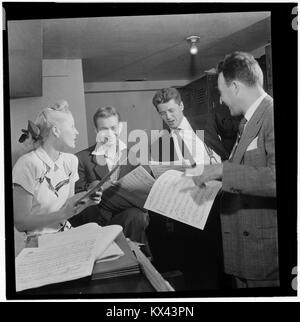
251 130
123 168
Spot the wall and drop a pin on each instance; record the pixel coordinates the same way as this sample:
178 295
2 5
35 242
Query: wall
62 79
258 52
133 100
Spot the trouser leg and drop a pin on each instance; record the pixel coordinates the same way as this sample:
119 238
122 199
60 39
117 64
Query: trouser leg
245 283
134 222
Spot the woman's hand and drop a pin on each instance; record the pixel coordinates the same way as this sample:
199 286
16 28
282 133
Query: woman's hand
72 207
105 186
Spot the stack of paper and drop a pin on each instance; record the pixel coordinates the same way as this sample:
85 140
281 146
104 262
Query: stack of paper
63 256
125 265
113 252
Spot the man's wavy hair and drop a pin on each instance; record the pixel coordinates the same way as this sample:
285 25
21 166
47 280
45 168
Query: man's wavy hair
105 112
242 67
164 95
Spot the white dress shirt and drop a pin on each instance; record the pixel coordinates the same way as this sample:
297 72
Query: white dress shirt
110 153
253 107
196 146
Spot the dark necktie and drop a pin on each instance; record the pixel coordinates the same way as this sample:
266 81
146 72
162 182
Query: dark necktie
239 135
241 127
184 149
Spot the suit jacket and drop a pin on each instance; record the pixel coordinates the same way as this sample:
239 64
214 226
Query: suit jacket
248 209
89 170
174 244
221 131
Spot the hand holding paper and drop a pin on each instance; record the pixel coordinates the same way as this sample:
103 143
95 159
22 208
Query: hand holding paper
201 174
176 196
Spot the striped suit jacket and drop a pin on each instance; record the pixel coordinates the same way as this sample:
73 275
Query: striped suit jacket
248 204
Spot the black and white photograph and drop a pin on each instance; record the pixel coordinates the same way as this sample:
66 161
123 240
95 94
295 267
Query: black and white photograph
150 150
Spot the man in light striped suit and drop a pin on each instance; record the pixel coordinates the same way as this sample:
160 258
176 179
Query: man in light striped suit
248 212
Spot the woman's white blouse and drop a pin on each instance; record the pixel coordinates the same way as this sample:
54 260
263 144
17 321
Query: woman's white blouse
47 181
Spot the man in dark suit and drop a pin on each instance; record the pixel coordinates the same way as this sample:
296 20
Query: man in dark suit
248 213
221 130
117 206
175 245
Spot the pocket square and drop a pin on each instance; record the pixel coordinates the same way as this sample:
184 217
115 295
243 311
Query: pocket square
252 145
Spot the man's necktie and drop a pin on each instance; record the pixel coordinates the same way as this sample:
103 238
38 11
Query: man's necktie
239 135
184 149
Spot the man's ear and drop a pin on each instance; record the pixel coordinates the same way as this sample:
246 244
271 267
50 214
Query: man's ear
236 86
181 106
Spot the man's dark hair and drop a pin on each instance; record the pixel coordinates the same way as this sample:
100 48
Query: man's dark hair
105 112
165 95
242 67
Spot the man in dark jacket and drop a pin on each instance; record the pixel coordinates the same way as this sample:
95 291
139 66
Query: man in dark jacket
117 205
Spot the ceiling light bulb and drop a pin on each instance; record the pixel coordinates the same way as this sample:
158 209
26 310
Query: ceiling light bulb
194 49
192 40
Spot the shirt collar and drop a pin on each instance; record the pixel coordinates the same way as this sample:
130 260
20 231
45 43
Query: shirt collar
184 125
254 106
101 149
43 155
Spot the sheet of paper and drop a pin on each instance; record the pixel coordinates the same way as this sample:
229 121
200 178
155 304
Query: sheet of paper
159 168
112 252
57 239
63 256
103 235
20 241
176 196
36 267
137 180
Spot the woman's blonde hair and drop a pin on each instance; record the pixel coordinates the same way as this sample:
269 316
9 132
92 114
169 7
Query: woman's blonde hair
49 117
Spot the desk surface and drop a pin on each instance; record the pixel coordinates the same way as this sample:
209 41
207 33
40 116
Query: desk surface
136 283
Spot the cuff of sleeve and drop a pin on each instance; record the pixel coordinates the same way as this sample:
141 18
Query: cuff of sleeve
28 188
228 181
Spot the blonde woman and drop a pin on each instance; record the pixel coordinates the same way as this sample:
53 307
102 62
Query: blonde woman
44 178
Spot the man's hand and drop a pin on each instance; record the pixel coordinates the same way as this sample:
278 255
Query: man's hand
210 172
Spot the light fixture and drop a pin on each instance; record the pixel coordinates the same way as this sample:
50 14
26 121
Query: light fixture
193 40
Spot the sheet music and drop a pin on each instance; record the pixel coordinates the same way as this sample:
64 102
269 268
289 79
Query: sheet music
103 235
176 196
41 266
63 256
159 168
57 239
137 180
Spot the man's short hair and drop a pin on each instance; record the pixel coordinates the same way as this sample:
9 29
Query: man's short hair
165 95
242 67
105 112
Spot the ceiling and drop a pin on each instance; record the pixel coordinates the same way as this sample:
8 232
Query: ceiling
116 49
